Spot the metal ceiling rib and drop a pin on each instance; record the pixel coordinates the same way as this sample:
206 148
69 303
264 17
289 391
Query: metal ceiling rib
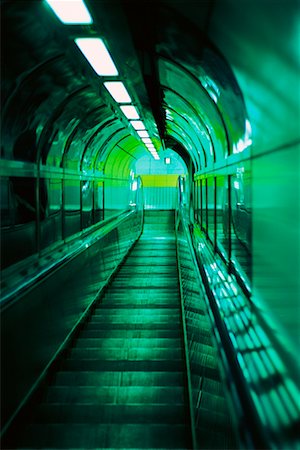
183 119
176 132
79 124
181 106
178 80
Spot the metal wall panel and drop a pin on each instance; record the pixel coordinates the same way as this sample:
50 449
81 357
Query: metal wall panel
160 197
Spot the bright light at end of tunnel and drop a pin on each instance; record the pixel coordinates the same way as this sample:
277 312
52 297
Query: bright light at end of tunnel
143 133
70 11
137 124
118 91
130 111
167 160
97 55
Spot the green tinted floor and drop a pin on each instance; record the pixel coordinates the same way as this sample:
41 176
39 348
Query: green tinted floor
122 383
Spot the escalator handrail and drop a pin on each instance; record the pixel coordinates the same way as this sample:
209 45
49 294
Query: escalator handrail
11 295
186 352
243 402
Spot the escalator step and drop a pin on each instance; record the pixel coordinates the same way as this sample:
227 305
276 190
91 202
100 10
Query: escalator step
64 378
123 365
110 413
113 343
137 312
98 436
95 395
157 325
125 304
131 320
149 333
130 354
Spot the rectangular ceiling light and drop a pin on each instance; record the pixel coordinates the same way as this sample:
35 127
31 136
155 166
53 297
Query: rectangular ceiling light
150 145
97 55
70 11
118 91
146 140
143 133
137 124
130 111
156 156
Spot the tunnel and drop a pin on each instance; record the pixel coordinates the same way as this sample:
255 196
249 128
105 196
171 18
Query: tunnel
150 282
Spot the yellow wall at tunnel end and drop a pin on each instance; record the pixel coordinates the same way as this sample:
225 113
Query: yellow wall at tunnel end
162 180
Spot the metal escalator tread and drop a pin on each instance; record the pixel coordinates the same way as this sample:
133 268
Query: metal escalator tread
122 384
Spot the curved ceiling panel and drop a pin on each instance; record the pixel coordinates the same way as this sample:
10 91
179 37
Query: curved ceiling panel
187 48
199 152
122 158
178 134
192 96
120 144
179 110
57 111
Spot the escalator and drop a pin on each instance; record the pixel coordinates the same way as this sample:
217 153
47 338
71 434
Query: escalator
122 382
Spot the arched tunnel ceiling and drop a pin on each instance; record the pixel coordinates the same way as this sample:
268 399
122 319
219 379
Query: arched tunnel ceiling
56 111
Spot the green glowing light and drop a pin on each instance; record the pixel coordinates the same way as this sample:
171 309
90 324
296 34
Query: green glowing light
70 11
118 91
97 55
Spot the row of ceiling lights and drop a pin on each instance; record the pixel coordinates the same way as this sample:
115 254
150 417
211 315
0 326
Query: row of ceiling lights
75 12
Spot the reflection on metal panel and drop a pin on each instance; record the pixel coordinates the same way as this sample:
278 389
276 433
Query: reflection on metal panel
37 317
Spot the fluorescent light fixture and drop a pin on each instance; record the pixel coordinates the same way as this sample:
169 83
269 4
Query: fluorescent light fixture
156 156
130 111
118 91
137 124
150 145
70 11
146 140
143 133
97 55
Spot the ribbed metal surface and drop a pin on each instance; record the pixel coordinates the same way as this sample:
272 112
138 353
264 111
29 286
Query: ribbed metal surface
160 197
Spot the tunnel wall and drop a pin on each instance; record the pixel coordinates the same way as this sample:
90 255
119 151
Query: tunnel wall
276 241
266 66
69 205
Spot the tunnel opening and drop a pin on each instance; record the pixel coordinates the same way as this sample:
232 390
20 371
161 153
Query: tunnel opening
160 179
